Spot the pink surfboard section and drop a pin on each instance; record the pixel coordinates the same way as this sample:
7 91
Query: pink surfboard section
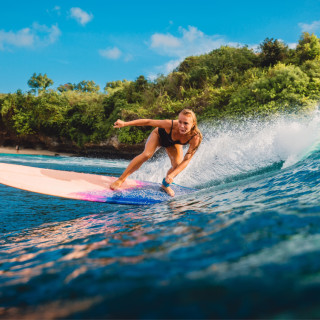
82 186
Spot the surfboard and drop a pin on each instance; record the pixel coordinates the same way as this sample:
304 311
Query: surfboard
84 186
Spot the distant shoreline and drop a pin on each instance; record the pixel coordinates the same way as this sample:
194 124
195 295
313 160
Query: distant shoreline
30 151
98 152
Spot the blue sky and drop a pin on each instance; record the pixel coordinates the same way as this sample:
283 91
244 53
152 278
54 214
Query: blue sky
103 40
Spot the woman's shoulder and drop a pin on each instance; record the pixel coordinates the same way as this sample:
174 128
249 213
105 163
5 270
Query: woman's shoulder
165 124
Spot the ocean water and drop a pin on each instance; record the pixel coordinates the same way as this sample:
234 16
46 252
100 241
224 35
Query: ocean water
245 245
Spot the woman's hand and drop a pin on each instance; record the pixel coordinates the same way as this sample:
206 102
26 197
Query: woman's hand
169 179
119 124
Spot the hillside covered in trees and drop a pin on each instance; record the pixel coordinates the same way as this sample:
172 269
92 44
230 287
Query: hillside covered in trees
227 82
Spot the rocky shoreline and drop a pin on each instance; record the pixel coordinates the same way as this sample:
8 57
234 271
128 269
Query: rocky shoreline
110 148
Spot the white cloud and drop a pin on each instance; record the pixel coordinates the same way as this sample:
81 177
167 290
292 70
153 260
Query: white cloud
45 35
152 76
191 41
115 53
21 38
80 15
292 45
165 69
192 34
111 53
313 27
55 10
37 35
128 57
159 40
172 64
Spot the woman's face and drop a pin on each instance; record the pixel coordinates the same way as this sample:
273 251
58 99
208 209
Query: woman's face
185 123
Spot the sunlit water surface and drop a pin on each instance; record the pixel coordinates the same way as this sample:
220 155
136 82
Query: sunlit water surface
246 245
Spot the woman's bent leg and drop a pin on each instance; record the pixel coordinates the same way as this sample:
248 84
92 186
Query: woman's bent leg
150 148
175 154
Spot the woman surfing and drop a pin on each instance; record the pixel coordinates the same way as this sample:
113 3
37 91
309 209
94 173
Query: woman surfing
170 134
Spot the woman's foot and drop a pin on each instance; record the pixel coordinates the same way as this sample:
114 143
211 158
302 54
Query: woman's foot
116 184
168 190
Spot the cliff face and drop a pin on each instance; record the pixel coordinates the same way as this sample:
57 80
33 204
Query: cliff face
110 148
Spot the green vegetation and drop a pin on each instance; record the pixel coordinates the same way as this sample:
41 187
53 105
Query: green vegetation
226 83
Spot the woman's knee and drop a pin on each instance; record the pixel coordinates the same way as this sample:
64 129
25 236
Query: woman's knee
147 154
174 164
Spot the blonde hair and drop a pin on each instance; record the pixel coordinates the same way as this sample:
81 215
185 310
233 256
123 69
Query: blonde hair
194 130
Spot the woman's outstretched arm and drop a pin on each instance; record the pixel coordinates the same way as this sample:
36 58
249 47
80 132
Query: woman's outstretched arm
166 124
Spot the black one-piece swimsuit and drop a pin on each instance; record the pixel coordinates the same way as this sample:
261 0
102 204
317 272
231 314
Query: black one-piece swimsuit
166 138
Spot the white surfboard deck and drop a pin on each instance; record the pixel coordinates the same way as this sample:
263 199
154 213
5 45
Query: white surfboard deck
83 186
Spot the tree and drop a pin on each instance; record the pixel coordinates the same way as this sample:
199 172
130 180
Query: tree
281 88
220 67
272 52
174 84
308 47
66 87
187 64
39 83
87 86
199 77
114 86
141 84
